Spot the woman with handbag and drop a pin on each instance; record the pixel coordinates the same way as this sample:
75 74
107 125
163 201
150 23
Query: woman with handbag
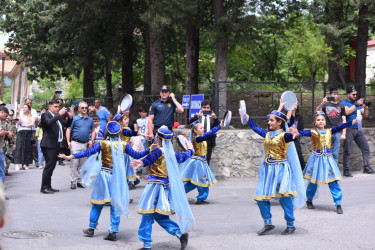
24 151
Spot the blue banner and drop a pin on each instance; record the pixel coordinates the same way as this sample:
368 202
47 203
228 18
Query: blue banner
186 101
195 104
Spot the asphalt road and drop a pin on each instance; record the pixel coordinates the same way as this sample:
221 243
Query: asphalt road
230 221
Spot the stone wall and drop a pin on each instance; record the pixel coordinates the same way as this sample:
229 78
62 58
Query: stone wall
239 152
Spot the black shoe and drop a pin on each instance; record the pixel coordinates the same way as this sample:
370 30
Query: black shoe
137 181
8 174
368 170
73 186
61 163
54 190
310 205
184 240
6 197
339 209
80 185
202 203
88 232
131 200
265 229
131 186
111 236
348 174
46 191
288 230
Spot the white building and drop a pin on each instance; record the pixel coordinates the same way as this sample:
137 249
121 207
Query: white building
370 62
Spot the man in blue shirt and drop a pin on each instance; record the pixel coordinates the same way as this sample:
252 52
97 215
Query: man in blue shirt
353 134
162 111
78 136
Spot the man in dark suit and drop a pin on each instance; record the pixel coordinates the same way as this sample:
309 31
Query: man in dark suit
209 120
52 125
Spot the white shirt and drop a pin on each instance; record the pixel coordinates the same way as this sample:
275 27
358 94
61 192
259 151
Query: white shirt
143 125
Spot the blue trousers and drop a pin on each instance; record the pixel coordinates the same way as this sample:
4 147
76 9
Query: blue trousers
2 167
145 228
40 154
335 140
333 186
95 214
202 191
286 204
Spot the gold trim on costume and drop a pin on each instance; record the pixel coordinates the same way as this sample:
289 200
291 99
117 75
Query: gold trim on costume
155 210
308 177
280 194
200 184
102 202
131 177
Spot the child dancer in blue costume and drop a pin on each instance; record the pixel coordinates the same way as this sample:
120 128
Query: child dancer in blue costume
280 175
110 187
321 168
125 137
196 172
164 193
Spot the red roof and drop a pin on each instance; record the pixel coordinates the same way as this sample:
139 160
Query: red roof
371 43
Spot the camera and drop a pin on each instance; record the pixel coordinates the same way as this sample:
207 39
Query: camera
367 103
207 112
8 155
331 99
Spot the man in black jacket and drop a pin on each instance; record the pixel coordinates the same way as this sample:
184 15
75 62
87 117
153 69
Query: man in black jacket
209 120
52 125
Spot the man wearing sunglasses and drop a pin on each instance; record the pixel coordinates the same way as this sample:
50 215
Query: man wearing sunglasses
352 104
78 136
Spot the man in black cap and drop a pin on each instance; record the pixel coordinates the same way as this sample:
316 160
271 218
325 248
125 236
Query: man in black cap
162 111
335 116
352 104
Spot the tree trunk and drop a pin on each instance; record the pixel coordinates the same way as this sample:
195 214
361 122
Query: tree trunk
157 61
88 74
108 80
361 51
147 69
127 58
336 75
220 57
192 59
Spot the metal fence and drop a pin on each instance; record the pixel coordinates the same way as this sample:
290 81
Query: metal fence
263 97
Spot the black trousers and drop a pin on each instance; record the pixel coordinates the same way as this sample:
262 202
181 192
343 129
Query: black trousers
50 154
299 152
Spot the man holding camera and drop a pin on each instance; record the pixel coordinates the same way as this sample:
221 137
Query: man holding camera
209 120
352 104
335 116
4 112
10 142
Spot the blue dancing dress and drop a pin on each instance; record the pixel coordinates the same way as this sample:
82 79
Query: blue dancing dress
275 176
156 202
125 137
102 191
195 171
321 168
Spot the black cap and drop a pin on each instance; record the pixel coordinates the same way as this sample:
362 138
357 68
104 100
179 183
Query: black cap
350 90
333 90
2 108
164 88
2 103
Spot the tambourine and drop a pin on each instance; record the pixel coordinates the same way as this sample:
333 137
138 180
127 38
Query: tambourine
227 119
181 141
243 112
126 102
290 100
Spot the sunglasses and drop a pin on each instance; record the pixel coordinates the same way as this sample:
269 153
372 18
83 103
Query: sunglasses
354 94
84 107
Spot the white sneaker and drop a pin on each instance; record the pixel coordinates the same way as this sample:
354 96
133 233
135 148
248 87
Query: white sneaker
16 167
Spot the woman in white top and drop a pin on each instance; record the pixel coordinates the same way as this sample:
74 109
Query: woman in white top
24 151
